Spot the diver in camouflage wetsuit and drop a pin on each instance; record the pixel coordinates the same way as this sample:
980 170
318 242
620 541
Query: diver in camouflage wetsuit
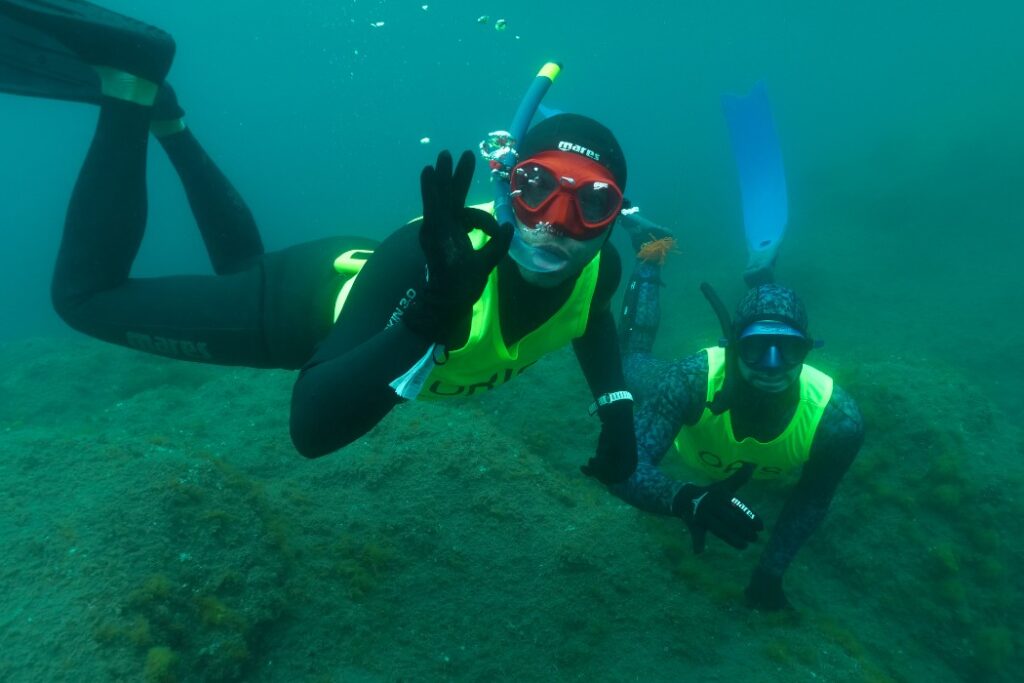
750 409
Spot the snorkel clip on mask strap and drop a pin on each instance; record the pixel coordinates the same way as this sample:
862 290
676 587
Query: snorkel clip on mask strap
499 149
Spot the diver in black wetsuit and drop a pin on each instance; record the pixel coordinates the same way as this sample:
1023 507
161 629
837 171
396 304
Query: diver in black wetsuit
750 409
369 325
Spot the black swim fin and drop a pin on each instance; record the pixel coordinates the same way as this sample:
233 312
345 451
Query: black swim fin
34 64
48 48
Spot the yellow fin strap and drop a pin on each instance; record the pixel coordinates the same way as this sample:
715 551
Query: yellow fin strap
122 85
162 129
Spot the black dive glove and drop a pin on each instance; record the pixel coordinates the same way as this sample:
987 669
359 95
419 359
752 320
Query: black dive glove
765 592
616 447
715 508
456 273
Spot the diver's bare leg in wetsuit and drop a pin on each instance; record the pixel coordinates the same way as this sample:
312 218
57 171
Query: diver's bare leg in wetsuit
261 310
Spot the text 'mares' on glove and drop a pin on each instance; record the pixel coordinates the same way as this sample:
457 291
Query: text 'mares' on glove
616 446
456 273
716 508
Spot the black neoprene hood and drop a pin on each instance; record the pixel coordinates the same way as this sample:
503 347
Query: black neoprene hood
581 135
771 302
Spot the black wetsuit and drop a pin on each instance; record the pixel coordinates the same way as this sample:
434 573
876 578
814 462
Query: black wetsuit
272 310
672 394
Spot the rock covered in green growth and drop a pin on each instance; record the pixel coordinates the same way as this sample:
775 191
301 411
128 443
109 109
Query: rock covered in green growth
226 658
993 647
139 633
161 665
456 572
790 653
946 497
156 588
946 467
213 612
197 612
959 467
359 563
943 561
778 652
991 570
951 593
984 539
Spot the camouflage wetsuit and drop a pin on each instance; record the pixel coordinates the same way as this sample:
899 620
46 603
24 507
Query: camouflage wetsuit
671 394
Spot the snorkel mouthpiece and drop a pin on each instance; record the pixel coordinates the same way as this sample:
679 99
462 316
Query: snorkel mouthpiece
535 258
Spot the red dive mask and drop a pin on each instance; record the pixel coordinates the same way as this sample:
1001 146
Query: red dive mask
572 193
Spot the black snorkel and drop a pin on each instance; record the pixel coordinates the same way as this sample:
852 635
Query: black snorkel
722 399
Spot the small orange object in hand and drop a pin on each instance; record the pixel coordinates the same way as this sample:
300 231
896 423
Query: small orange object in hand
657 250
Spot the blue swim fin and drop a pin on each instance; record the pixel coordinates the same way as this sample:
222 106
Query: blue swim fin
545 112
755 146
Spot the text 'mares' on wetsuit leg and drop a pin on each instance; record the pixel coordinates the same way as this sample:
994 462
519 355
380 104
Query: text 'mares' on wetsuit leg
235 318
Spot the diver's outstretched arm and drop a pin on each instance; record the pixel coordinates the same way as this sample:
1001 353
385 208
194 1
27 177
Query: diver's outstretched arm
417 291
344 389
673 397
641 310
836 444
